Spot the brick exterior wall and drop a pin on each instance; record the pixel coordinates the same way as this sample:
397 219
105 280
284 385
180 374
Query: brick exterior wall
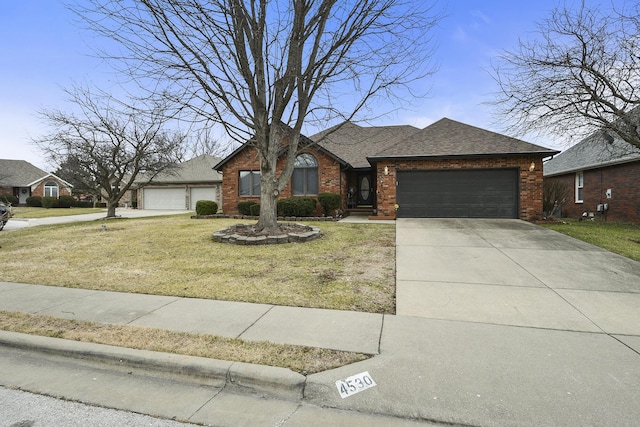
624 205
330 178
38 190
530 184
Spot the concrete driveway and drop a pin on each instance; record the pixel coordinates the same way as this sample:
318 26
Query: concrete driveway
510 272
18 223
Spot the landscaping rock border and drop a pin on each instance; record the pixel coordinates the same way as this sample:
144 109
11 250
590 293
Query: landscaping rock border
236 234
280 218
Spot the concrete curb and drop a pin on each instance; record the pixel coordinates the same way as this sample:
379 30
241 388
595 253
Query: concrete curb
245 377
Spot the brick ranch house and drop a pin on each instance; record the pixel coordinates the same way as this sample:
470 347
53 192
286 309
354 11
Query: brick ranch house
602 175
447 170
21 179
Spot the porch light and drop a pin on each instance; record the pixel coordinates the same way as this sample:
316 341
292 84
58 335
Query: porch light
386 170
532 167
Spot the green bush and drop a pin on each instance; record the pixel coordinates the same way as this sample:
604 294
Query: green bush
255 209
245 207
66 201
9 198
206 207
79 204
297 206
329 202
49 202
34 202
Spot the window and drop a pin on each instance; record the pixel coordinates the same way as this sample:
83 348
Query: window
579 187
249 183
305 176
51 189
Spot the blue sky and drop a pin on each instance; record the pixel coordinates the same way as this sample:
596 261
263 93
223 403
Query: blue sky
44 49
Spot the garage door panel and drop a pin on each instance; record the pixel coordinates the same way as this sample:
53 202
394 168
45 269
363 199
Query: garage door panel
474 193
202 193
164 198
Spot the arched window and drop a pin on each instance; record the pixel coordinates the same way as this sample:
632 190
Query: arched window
51 189
305 176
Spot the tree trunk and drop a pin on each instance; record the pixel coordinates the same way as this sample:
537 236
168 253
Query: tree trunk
268 202
111 209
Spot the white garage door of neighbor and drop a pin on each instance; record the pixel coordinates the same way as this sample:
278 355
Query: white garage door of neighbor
201 193
164 198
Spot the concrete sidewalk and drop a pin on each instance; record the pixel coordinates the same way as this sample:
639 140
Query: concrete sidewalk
331 329
500 323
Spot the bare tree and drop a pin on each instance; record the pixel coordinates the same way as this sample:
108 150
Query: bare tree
262 68
581 75
204 141
112 142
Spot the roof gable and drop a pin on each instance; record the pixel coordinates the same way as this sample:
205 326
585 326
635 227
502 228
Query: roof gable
592 152
19 173
353 143
304 143
446 138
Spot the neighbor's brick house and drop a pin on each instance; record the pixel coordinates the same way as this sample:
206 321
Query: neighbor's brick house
602 176
21 179
448 169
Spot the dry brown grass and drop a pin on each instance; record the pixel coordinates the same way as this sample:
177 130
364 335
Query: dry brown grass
352 267
297 358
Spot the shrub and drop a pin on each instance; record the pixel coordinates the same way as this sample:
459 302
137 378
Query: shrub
206 207
66 201
34 202
49 202
245 207
329 202
297 206
555 194
9 198
80 204
255 209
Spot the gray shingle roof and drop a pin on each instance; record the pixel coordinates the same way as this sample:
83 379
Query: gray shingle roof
590 153
447 137
353 143
198 169
19 173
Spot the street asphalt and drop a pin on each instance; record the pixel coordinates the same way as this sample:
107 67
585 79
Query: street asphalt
498 323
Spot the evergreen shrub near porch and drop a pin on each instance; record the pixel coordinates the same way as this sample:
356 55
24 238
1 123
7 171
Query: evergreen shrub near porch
297 206
329 202
244 208
34 201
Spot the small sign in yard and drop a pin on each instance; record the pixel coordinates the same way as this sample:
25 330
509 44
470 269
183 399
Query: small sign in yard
355 384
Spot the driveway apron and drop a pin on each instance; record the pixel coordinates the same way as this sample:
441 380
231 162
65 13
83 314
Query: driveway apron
511 272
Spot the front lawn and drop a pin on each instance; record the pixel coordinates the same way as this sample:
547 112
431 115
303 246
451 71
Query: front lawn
350 268
623 239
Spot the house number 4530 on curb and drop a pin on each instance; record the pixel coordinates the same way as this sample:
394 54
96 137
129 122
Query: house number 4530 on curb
355 384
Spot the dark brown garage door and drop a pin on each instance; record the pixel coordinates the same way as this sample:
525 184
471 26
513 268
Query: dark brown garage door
472 193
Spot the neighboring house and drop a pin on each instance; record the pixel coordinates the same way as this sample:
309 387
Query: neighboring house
603 175
448 169
22 179
182 187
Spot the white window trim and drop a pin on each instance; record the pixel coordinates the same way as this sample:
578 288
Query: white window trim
51 187
579 185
